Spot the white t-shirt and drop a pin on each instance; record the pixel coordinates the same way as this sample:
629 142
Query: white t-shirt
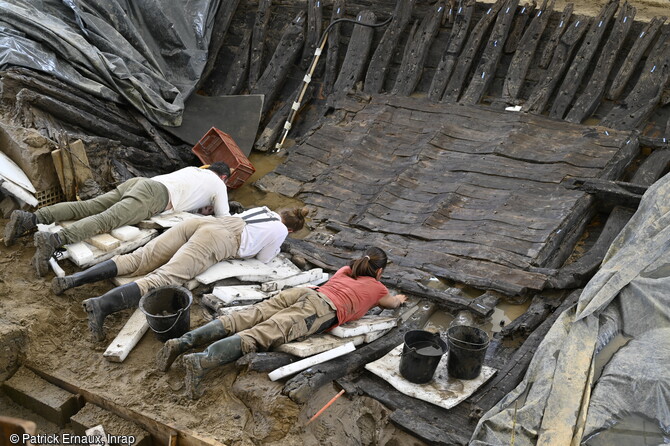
262 240
191 188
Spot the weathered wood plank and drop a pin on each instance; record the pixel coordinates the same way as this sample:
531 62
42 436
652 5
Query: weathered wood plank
283 58
416 51
470 52
582 60
332 57
258 36
239 69
519 25
376 74
646 94
644 39
357 54
590 98
314 20
540 96
555 37
488 63
523 56
459 32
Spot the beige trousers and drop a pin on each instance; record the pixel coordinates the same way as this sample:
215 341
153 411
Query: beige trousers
182 252
291 314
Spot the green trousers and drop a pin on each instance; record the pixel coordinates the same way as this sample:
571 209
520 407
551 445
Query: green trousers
131 202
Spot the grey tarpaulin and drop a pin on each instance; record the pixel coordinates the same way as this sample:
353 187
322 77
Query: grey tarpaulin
563 399
150 53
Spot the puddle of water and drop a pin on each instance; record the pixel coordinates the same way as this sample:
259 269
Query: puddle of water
503 314
605 355
633 430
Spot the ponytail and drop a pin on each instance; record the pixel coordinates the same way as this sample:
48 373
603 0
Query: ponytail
294 219
368 265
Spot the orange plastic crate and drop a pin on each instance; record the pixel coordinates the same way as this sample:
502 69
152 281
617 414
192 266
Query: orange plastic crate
220 146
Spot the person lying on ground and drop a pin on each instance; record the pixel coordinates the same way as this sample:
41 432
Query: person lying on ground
290 315
180 254
131 202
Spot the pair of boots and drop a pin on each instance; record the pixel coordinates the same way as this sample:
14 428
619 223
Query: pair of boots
22 223
219 353
98 308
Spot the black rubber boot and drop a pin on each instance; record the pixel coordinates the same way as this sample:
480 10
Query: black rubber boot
219 353
20 223
46 243
212 331
104 270
98 308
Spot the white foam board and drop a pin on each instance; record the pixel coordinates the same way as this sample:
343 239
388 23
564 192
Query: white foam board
128 337
366 324
13 173
228 294
316 344
303 364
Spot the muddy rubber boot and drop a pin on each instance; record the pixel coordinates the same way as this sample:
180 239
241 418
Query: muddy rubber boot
20 223
46 243
98 308
219 353
172 348
104 270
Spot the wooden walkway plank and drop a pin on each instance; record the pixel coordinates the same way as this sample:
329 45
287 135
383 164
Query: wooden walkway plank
582 60
287 50
540 96
379 64
590 98
357 54
314 20
488 62
470 52
416 50
519 25
518 67
555 38
332 58
646 94
239 69
258 36
459 32
644 39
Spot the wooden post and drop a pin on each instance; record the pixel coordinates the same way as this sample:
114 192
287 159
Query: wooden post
490 57
314 19
590 98
239 69
644 39
333 48
467 58
549 49
517 28
260 30
357 54
518 67
416 51
374 79
582 60
459 32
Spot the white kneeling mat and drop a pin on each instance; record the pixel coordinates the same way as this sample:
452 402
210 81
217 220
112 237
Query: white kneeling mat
442 391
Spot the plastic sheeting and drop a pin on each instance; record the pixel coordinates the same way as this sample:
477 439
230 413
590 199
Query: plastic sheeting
149 53
562 400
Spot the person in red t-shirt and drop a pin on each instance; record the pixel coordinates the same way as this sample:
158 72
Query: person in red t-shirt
290 315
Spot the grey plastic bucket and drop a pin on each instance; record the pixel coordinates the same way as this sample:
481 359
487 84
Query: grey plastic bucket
420 356
467 349
168 311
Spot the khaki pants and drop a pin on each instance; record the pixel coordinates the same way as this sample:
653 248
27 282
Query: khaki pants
182 252
289 315
131 202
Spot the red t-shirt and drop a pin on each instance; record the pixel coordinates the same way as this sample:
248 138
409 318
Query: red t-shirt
352 297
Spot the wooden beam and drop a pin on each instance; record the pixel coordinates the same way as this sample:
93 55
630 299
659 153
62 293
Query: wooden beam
590 98
459 31
470 52
376 74
519 25
357 54
488 63
582 60
555 38
332 58
258 37
518 67
642 42
314 20
239 69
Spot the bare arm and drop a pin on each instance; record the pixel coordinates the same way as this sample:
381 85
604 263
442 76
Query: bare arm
390 301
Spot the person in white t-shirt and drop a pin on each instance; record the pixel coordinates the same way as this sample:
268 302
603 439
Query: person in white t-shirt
137 199
181 253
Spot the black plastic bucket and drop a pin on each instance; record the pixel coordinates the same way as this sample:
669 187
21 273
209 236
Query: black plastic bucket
467 348
168 311
420 355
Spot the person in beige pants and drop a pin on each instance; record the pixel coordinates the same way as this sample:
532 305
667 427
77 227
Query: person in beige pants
181 253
